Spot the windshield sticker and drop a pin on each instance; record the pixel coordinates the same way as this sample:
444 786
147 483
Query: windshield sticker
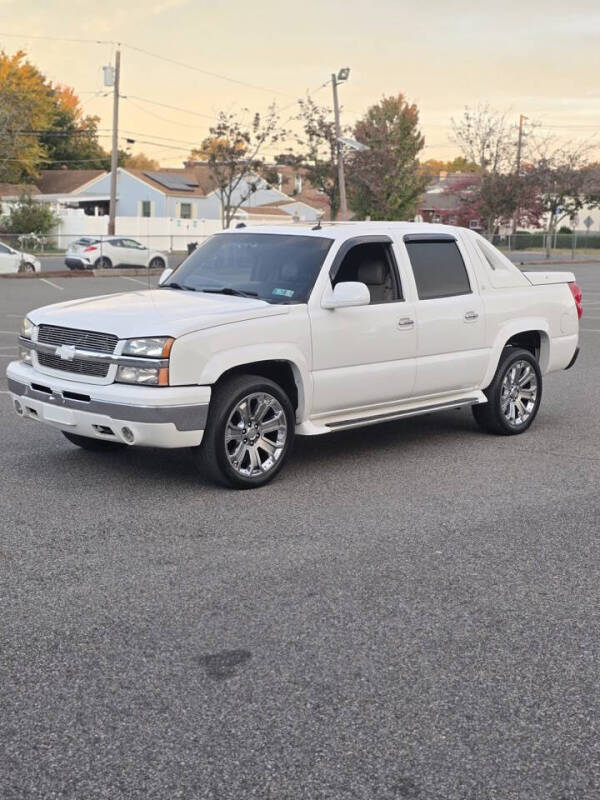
283 292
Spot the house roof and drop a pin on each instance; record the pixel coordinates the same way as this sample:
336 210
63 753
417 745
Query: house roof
17 189
198 174
62 181
265 211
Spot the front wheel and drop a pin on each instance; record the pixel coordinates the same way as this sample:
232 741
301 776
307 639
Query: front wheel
249 432
26 266
103 263
157 263
514 395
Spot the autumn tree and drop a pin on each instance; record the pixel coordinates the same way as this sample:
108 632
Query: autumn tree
318 146
26 107
42 125
234 153
28 216
385 181
433 166
72 138
562 181
140 161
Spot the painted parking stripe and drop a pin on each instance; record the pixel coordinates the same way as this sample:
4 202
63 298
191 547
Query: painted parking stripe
135 280
50 283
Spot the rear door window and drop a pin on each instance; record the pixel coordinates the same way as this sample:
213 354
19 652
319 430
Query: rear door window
438 268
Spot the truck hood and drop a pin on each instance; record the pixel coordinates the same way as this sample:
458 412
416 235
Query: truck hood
153 312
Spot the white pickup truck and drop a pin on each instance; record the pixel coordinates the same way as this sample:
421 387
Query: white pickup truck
264 333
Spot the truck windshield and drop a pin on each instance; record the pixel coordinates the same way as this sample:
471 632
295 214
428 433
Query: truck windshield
278 268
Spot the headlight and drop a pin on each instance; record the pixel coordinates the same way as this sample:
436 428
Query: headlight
25 355
155 347
27 328
149 376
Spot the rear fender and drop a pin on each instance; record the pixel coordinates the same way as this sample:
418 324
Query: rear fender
511 329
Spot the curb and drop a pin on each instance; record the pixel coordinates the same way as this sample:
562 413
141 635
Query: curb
81 273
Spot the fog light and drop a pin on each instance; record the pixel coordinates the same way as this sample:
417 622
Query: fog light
127 434
25 355
18 408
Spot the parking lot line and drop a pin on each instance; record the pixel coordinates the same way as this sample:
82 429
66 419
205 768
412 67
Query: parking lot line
50 283
135 280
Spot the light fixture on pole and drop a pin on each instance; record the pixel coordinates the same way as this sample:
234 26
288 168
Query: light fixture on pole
341 76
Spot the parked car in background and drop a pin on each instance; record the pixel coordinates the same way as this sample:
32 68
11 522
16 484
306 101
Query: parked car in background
12 260
90 252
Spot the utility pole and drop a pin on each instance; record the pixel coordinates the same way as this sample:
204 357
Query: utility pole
343 214
114 156
515 221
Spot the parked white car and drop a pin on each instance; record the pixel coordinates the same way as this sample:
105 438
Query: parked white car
12 260
90 252
264 333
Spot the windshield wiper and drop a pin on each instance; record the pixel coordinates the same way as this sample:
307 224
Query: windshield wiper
174 285
230 290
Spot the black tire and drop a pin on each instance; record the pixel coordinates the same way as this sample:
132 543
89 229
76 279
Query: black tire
26 266
157 263
490 416
212 456
103 263
87 443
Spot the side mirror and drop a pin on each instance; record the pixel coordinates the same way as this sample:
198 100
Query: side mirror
347 295
165 275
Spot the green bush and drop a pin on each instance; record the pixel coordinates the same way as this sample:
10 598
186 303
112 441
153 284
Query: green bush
28 216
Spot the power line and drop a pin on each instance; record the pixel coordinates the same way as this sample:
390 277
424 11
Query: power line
135 49
205 72
166 105
159 117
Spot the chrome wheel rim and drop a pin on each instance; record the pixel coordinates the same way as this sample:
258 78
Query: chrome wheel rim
255 434
519 393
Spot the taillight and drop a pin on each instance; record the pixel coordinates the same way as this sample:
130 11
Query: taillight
90 248
576 292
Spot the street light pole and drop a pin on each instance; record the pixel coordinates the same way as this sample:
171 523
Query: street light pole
114 156
343 213
519 148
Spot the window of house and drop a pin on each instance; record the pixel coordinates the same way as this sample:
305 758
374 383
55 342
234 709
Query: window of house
146 208
438 268
474 224
185 210
372 263
297 184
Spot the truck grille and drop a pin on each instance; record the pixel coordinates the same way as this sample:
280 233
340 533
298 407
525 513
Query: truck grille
86 340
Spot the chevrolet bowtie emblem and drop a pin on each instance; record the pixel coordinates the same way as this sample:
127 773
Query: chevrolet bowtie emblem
66 352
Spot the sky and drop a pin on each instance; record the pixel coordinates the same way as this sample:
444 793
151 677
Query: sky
533 57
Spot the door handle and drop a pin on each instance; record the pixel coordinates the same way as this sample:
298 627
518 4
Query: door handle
405 322
471 315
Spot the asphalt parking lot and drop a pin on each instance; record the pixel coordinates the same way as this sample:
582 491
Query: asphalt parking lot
411 611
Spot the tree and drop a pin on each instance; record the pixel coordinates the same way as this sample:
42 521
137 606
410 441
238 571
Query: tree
233 154
562 181
29 216
25 108
72 139
319 150
432 167
385 181
486 139
140 161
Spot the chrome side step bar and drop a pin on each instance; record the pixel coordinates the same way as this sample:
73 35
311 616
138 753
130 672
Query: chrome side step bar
413 412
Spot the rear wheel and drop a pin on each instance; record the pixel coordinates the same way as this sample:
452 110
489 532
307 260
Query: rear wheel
103 263
87 443
157 263
514 395
249 432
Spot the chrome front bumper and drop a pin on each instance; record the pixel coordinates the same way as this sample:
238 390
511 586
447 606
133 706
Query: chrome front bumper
170 416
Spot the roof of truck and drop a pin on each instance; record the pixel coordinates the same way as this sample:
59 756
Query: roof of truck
346 230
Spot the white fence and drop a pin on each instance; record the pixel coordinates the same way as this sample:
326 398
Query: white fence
159 233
